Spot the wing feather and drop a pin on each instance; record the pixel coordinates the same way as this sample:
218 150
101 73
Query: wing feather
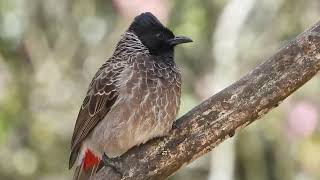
101 96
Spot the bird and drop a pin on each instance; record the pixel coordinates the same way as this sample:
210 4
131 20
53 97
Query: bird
133 97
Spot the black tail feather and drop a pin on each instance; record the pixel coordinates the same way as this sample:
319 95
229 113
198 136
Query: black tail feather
81 174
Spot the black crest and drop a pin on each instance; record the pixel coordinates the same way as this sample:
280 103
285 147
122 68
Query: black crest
146 20
152 33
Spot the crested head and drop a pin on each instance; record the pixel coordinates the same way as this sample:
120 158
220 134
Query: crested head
146 20
154 35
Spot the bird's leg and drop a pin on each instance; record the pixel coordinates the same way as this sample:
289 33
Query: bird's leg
114 163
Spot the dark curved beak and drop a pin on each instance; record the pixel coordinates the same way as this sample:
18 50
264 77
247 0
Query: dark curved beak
179 40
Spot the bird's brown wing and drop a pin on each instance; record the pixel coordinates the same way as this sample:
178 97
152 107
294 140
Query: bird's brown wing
101 95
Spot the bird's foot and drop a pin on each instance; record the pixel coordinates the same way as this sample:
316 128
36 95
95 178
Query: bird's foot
174 125
114 163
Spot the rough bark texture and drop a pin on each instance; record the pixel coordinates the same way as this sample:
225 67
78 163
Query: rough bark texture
223 114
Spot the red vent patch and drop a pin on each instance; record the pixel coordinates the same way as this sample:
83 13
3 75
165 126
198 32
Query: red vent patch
90 160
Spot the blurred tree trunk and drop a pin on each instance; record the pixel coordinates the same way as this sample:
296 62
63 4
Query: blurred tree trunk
220 116
21 70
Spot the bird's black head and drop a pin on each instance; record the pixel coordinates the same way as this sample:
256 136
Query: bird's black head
156 37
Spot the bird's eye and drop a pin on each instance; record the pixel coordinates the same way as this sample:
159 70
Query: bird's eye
160 36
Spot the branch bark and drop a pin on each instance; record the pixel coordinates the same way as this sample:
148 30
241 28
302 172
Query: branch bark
223 114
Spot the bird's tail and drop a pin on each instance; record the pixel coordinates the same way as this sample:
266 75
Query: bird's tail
89 166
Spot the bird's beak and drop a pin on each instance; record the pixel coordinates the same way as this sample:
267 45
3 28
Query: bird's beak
179 40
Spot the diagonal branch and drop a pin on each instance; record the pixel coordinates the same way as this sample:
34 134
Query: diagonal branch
220 116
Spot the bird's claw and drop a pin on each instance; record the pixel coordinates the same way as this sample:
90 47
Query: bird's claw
114 163
174 126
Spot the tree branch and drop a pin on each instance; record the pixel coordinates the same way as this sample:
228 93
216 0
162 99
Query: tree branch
223 114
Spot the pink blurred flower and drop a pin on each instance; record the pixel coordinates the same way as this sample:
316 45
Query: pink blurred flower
302 119
131 8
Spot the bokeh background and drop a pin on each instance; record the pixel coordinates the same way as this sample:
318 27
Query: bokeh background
50 49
